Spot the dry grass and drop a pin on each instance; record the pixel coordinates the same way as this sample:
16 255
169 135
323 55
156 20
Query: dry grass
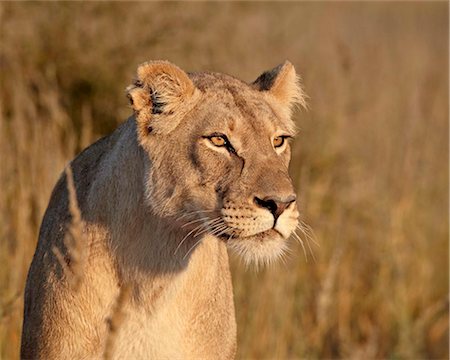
77 252
370 164
116 320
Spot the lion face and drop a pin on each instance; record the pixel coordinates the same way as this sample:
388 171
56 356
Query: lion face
218 154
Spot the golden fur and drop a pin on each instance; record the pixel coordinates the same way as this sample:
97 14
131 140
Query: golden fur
160 204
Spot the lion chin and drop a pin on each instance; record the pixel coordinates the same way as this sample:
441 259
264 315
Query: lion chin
260 249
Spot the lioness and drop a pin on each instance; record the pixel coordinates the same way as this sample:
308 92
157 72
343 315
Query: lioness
202 165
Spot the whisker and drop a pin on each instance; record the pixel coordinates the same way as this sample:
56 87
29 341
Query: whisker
222 232
308 229
199 229
194 221
308 240
218 227
193 246
190 213
214 223
311 251
301 243
187 235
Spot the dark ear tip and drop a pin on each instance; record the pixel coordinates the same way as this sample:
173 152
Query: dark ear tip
266 80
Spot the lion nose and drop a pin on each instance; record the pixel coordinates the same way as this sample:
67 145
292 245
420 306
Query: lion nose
274 204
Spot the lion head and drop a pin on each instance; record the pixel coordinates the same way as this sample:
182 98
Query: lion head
218 153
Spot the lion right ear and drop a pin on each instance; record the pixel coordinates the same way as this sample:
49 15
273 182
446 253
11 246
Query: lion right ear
282 84
160 96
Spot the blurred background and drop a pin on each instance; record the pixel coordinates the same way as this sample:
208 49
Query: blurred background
370 162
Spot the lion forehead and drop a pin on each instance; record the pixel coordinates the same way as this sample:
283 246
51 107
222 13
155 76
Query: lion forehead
233 102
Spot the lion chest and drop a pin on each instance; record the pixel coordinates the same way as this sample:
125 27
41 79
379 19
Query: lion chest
193 317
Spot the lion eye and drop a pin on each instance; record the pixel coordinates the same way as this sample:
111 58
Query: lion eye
278 141
218 141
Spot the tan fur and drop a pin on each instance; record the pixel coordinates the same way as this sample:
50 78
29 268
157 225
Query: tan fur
160 205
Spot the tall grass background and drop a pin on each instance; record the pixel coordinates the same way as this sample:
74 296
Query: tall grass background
370 163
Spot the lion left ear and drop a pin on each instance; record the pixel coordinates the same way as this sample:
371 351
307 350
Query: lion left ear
161 96
283 84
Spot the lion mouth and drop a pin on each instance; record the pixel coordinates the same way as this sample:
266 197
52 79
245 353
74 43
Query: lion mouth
262 236
269 234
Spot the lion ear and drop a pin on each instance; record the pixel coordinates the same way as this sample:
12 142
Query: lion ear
160 96
283 84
